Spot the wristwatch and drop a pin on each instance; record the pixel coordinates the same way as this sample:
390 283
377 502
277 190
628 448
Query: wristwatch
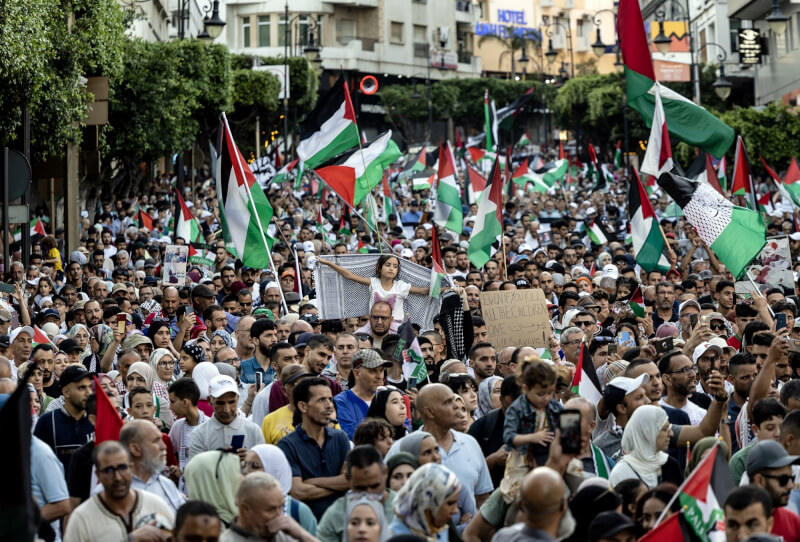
721 398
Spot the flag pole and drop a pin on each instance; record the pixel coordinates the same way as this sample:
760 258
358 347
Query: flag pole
677 494
755 287
255 212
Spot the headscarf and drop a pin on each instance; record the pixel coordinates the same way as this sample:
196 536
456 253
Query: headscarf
103 334
147 372
276 464
74 331
377 409
213 477
639 443
225 337
485 395
376 506
202 375
426 490
411 443
155 326
195 351
155 357
700 447
400 458
587 280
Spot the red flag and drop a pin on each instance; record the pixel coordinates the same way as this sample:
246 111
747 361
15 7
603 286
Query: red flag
673 528
476 180
742 179
476 154
592 155
38 228
108 424
40 337
711 175
793 174
560 150
436 252
145 220
459 142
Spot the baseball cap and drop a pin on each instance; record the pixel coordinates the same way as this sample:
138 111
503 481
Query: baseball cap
705 274
369 359
688 303
308 246
523 247
5 315
715 316
78 305
406 253
614 369
287 273
702 348
136 340
68 346
608 524
302 339
611 270
73 373
5 341
149 262
768 454
201 290
296 374
264 310
222 384
616 390
22 329
522 284
119 286
50 329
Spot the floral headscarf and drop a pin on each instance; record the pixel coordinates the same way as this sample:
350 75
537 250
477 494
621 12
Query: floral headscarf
422 496
225 337
103 334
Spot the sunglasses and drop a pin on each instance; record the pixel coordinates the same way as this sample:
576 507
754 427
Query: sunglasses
782 479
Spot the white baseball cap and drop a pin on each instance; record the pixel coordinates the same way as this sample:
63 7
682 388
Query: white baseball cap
22 329
220 385
611 270
308 246
702 348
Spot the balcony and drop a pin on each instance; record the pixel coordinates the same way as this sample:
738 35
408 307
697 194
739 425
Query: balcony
465 57
464 11
354 3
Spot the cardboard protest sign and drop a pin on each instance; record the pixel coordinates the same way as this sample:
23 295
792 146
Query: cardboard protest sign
176 258
516 318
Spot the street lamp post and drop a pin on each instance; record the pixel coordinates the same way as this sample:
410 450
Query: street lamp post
722 87
551 53
662 43
212 23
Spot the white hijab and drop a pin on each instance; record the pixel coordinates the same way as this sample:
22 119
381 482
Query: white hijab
639 443
276 464
202 374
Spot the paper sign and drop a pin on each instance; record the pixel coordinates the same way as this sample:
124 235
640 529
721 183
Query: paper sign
516 318
773 266
176 258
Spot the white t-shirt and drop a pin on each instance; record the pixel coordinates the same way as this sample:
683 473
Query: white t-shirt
395 297
696 413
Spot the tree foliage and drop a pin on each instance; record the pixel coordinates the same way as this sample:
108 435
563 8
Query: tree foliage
772 132
42 59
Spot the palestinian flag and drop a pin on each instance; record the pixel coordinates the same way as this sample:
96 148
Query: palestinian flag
596 234
475 185
344 226
649 245
418 164
481 157
524 140
618 156
40 337
244 211
790 191
702 170
144 219
552 172
585 382
437 267
109 423
508 114
389 206
489 220
36 228
742 178
687 121
286 172
358 172
658 157
675 527
362 247
409 354
793 173
636 303
188 228
448 213
765 203
722 174
490 118
330 129
371 213
200 255
524 176
423 183
701 497
735 234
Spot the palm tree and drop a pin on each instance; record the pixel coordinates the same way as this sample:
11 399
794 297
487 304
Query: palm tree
515 39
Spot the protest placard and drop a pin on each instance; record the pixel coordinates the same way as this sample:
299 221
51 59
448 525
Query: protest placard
772 267
176 258
516 318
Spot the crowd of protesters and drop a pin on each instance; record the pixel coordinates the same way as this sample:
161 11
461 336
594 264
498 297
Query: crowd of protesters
248 419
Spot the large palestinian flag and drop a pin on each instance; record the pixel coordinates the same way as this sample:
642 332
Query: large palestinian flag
649 245
188 228
585 382
735 234
244 211
489 221
686 120
330 129
448 213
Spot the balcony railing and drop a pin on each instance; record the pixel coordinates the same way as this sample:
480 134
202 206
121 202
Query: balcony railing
463 5
465 57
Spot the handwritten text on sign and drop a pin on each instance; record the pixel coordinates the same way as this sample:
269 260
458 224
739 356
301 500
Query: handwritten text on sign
516 318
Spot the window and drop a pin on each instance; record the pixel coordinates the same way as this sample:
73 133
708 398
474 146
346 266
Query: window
245 31
735 24
263 31
345 31
396 32
579 28
420 34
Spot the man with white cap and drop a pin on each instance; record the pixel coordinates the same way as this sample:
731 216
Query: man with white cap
225 428
685 312
707 357
21 347
622 396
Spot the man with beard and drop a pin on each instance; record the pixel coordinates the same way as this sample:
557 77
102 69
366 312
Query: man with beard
272 396
678 373
380 321
706 358
263 335
75 277
115 510
430 344
665 305
68 428
547 285
483 360
44 356
170 300
148 456
345 347
367 375
741 373
492 270
317 355
769 467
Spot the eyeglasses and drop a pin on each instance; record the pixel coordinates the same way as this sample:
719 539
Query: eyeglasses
585 323
717 326
230 361
166 364
782 479
109 471
688 370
